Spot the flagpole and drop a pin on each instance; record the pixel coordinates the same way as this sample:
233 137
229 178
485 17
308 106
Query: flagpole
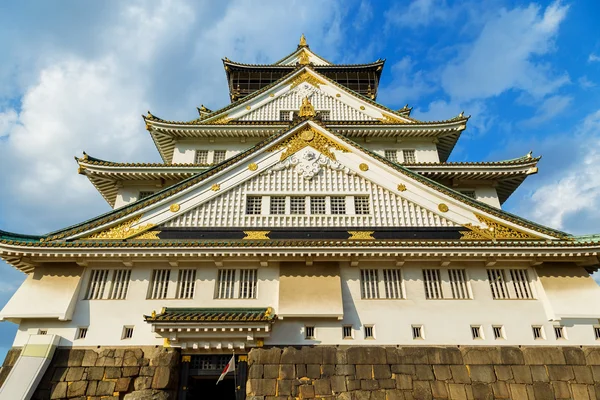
234 376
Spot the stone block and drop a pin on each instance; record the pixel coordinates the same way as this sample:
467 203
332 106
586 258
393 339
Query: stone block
300 370
424 372
392 356
58 391
543 390
142 383
482 373
366 355
255 371
389 383
341 356
442 372
286 371
270 356
422 390
544 355
271 371
574 355
457 391
580 392
291 355
149 394
74 374
162 359
444 355
560 372
329 355
322 387
164 378
583 374
596 372
592 355
378 395
503 372
518 391
345 370
147 371
123 385
352 384
500 390
362 395
561 390
105 388
394 395
460 374
91 388
327 370
307 392
364 372
369 384
313 371
75 358
403 369
61 358
77 389
481 355
404 382
130 371
413 355
539 373
439 390
262 387
60 374
112 372
312 355
284 387
338 384
511 356
11 357
89 358
482 391
521 373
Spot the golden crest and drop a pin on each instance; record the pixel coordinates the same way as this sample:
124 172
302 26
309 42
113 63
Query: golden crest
306 109
401 187
362 107
248 107
174 207
305 77
361 235
256 235
312 138
125 230
363 167
494 231
252 166
216 187
443 207
338 95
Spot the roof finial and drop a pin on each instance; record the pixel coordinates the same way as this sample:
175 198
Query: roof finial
306 109
302 41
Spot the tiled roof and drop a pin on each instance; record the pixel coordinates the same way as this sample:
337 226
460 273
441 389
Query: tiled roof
214 315
290 66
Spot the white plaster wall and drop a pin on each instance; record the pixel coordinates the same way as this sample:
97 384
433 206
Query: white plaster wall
130 191
185 150
425 150
487 195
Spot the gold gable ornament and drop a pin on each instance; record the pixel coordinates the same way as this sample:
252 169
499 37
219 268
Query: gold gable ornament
303 59
494 231
306 109
125 230
308 137
304 77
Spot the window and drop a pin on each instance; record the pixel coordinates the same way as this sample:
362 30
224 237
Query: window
42 331
127 332
297 205
409 156
338 205
309 332
369 332
159 284
538 332
278 205
186 284
317 205
433 284
225 284
253 205
361 205
559 332
285 115
201 157
143 195
347 332
520 280
469 193
81 333
97 284
497 283
498 332
392 282
458 283
369 289
324 115
219 156
476 332
119 284
391 155
248 279
417 332
597 332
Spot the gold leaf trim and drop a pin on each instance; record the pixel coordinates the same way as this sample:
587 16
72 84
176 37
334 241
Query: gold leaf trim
305 77
256 235
388 119
361 235
493 230
308 137
221 121
123 230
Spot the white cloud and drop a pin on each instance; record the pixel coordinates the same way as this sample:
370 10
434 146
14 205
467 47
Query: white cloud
549 109
420 13
593 58
8 119
408 83
504 56
585 83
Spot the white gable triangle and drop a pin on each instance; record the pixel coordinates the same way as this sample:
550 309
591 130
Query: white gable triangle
303 56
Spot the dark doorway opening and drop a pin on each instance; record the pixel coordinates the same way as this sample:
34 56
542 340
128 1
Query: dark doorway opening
201 388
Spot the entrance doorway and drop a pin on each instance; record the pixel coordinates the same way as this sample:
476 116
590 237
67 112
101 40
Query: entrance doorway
199 375
204 387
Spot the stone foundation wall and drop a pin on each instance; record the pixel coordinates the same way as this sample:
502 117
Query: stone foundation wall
111 373
405 373
10 360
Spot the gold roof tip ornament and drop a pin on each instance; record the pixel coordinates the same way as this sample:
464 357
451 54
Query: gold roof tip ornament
307 109
303 41
303 59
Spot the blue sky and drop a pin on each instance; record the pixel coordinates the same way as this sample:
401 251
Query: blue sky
77 76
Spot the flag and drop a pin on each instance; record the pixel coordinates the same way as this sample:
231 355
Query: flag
230 367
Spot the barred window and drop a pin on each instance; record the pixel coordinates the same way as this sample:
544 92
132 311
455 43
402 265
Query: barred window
219 156
369 288
391 155
248 279
127 332
498 331
520 280
277 204
284 115
597 332
324 115
309 332
186 284
361 205
559 332
538 332
338 205
393 283
253 205
159 285
433 284
417 331
81 333
143 195
225 284
458 283
201 157
497 283
409 156
347 332
119 284
476 332
317 205
369 332
297 205
97 284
